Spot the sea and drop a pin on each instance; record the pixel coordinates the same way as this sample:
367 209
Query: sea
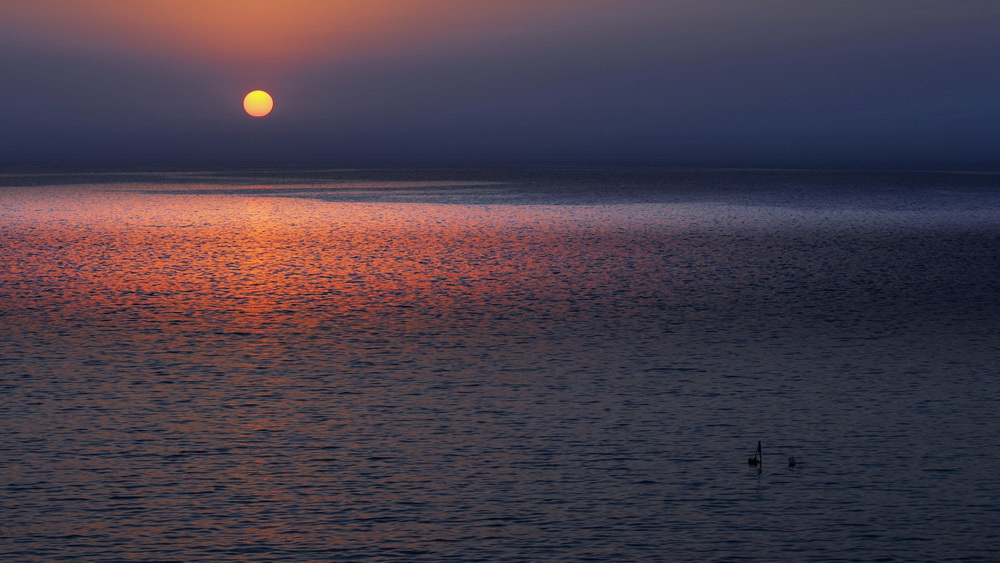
537 364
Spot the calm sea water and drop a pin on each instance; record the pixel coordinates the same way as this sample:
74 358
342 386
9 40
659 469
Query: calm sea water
498 365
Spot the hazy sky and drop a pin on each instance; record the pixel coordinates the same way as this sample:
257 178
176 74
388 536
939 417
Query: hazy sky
721 82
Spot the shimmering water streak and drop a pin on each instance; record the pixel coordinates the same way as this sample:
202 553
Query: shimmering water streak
195 372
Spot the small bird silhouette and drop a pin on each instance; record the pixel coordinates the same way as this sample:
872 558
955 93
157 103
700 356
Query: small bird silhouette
757 457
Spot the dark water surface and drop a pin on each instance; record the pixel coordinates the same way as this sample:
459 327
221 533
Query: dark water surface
541 365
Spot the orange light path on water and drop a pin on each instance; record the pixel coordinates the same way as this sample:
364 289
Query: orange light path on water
198 266
253 306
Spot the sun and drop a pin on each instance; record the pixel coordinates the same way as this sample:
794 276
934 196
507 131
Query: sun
258 103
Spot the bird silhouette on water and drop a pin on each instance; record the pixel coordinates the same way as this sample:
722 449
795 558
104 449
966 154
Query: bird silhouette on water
757 457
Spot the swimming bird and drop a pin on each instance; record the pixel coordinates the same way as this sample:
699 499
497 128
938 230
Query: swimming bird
757 457
791 461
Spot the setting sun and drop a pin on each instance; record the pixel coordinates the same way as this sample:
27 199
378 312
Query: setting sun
258 103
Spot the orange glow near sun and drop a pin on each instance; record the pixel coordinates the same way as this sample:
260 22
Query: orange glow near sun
258 103
257 35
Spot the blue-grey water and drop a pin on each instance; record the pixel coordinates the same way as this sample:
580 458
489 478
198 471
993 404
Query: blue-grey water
535 365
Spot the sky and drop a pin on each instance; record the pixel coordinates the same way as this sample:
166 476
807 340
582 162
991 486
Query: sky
788 83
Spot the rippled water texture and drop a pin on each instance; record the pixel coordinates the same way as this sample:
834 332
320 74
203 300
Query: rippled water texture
484 365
